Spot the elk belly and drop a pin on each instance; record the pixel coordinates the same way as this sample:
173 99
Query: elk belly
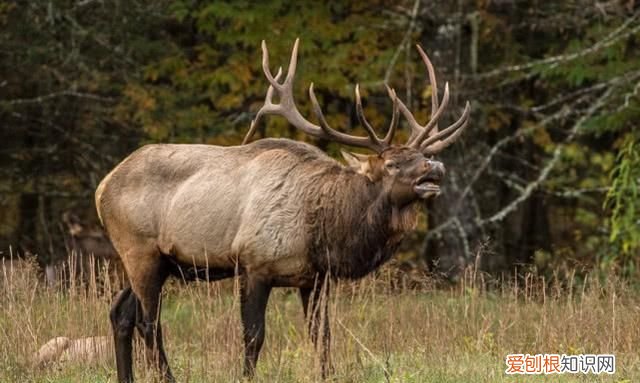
201 221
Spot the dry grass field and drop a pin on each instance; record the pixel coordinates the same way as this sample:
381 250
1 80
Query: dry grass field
385 329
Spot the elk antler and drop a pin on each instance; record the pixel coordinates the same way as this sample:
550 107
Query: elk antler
427 138
287 109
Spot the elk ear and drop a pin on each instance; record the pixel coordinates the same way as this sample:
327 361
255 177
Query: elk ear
355 161
359 162
73 222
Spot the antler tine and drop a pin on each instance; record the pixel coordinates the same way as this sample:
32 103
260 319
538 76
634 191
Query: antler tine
437 147
268 103
363 119
428 138
416 128
432 121
318 112
433 81
375 145
293 63
287 107
452 128
265 67
394 119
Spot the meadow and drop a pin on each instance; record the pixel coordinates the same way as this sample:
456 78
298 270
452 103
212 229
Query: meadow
389 327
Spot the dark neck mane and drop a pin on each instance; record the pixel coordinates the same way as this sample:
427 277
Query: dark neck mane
354 226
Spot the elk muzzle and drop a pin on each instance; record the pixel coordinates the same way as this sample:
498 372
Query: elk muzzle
429 184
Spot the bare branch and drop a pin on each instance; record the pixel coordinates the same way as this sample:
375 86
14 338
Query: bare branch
577 193
562 99
609 40
463 236
404 43
629 95
64 93
500 215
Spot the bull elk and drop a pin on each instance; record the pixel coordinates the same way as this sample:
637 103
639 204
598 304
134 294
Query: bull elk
274 212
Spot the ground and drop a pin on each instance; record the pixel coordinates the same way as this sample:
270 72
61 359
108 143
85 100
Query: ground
384 330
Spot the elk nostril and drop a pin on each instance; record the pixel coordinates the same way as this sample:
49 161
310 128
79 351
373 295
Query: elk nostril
436 172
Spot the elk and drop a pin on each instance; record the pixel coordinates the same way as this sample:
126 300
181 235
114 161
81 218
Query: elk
91 254
274 213
61 349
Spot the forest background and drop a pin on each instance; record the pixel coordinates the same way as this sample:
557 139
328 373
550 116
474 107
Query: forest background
545 177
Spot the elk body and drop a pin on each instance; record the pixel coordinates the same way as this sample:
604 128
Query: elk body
90 350
91 255
274 212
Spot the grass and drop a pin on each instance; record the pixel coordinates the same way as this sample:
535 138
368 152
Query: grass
385 329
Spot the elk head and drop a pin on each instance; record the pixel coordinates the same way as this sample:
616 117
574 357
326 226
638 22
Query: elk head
407 172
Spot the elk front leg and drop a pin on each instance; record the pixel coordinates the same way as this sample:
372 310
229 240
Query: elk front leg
254 295
316 311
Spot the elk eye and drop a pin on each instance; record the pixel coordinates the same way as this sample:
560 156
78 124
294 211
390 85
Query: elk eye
390 165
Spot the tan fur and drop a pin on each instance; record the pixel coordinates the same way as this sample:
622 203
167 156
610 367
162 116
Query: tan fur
100 191
63 350
249 206
105 181
51 351
368 166
208 206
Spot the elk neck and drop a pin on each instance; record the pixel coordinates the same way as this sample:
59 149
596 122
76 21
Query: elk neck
355 226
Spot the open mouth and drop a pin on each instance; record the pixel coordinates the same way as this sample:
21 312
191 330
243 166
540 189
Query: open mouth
427 186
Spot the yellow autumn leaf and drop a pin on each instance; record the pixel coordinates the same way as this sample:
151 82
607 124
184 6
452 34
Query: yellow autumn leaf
542 138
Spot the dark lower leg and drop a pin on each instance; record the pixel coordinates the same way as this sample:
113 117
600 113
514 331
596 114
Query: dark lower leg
148 322
254 295
123 320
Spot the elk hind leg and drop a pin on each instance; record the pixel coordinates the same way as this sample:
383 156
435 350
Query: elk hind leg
147 275
123 320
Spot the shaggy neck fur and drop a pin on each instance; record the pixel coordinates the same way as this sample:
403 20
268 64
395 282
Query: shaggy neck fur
355 227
